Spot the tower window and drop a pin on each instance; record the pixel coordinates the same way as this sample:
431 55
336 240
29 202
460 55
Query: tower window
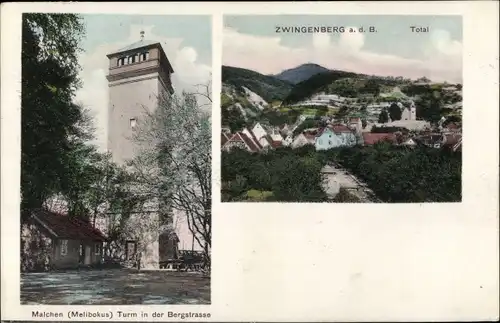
144 56
133 123
121 61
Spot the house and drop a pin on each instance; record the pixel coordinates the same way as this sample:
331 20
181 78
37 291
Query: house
431 140
408 143
302 140
259 131
259 141
371 138
335 136
409 113
51 240
241 141
223 138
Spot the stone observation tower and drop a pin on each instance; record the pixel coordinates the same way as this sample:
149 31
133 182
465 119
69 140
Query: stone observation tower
138 75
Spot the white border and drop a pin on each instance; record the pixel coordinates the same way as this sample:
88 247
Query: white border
303 262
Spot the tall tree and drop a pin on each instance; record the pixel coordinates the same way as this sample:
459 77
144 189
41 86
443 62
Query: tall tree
383 117
395 112
176 161
51 123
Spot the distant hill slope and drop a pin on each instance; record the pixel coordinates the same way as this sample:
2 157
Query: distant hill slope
267 87
316 83
301 73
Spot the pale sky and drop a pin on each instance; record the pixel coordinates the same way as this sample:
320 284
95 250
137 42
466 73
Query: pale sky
187 41
394 50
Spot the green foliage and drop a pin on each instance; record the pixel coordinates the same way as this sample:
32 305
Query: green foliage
316 83
290 175
343 196
268 87
429 107
53 127
308 123
395 112
274 117
233 118
383 117
259 196
401 175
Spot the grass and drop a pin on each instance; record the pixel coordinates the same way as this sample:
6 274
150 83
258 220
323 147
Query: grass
256 195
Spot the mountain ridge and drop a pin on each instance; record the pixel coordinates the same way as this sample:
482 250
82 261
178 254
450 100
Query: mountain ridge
301 73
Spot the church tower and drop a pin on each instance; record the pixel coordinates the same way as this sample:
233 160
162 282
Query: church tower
138 75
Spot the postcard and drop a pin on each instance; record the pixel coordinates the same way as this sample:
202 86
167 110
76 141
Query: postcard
253 162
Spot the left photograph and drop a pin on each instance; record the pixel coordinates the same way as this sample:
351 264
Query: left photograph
116 159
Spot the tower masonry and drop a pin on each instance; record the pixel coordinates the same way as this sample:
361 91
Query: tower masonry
138 76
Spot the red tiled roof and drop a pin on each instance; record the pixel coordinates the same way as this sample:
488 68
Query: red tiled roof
276 144
68 227
354 120
269 139
370 138
452 125
256 141
223 139
310 137
249 142
339 128
233 138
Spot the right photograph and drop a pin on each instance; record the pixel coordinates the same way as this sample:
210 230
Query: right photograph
341 109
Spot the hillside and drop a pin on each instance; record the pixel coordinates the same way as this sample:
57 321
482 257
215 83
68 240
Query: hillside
267 87
301 73
316 83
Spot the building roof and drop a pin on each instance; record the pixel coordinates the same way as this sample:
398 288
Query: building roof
255 140
137 44
249 142
370 138
67 227
223 139
310 137
339 128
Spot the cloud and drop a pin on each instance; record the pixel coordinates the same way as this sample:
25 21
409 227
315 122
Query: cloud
94 93
267 55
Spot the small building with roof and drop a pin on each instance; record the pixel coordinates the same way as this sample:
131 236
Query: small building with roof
51 240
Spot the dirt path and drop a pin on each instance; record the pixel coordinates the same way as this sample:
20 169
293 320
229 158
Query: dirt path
114 287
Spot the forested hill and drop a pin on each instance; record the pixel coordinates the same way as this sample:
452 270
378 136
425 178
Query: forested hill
268 87
301 73
315 84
